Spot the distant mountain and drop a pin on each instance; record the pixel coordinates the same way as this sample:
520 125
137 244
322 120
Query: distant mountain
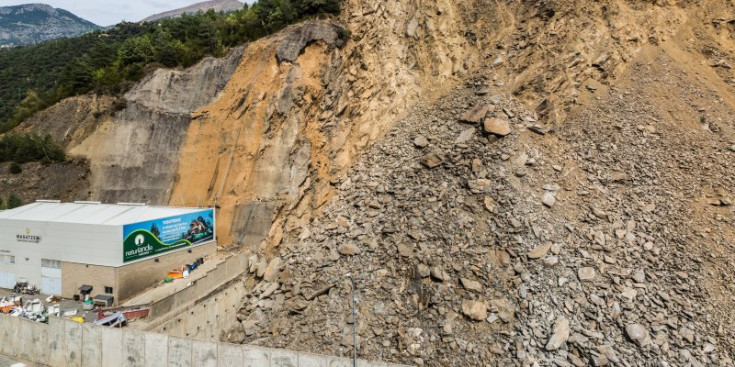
34 23
216 5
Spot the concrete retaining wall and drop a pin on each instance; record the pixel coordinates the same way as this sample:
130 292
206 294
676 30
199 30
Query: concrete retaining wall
62 343
231 268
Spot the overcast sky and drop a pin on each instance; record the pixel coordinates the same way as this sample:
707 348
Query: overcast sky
109 12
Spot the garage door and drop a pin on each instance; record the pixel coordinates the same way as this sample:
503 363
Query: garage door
7 280
50 276
7 275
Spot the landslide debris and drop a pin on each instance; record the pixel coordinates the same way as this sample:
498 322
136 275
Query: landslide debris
464 264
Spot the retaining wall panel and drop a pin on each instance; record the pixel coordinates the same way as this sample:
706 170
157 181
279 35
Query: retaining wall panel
24 333
339 362
7 332
163 306
55 355
179 352
312 360
204 353
91 345
256 356
185 296
218 275
156 350
72 343
229 355
40 343
133 348
112 347
284 358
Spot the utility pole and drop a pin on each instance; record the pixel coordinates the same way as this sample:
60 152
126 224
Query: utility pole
354 321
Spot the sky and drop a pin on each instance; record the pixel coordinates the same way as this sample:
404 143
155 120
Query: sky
109 12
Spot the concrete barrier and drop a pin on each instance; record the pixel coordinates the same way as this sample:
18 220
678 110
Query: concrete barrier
178 302
68 343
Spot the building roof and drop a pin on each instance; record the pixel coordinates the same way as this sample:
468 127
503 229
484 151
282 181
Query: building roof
92 213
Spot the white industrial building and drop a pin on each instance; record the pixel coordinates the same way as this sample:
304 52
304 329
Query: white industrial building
116 250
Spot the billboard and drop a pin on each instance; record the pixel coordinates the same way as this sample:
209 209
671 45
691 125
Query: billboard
155 237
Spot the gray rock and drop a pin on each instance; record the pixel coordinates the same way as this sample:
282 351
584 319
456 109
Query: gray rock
496 126
551 260
538 129
479 185
423 270
465 135
539 251
271 271
262 265
471 285
432 160
586 274
308 32
639 334
437 273
639 276
559 335
475 115
420 141
549 199
475 310
348 249
253 264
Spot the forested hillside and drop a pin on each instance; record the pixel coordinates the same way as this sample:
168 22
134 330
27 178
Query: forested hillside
108 62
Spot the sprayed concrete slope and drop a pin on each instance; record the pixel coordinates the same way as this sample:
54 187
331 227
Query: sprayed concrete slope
134 154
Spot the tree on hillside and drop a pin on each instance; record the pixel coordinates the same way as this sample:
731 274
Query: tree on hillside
14 201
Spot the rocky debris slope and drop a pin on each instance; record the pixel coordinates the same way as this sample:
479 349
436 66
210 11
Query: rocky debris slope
475 234
303 105
66 181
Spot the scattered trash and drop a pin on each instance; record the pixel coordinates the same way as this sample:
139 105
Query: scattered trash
130 313
183 272
24 288
115 320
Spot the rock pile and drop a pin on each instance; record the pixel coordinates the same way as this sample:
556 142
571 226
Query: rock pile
492 247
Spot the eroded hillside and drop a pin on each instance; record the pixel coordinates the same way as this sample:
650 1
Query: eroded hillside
508 183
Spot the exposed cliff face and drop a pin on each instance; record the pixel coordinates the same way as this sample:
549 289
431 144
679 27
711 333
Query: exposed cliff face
306 115
132 145
134 155
287 126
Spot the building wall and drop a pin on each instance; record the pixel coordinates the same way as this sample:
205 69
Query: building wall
79 243
74 275
136 277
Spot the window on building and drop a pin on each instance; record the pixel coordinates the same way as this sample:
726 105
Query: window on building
7 259
108 290
54 264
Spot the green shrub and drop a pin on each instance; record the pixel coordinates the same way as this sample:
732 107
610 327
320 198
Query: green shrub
15 168
22 148
14 201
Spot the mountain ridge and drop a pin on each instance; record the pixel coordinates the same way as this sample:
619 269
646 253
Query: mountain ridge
34 23
216 5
